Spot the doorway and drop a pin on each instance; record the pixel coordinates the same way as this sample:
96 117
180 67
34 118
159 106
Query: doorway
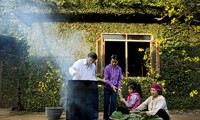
136 63
118 48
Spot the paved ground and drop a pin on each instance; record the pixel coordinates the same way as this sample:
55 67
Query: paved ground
7 114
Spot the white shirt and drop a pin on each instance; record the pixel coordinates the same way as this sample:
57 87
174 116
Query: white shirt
153 105
85 72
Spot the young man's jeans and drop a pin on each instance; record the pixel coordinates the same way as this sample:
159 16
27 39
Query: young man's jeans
109 102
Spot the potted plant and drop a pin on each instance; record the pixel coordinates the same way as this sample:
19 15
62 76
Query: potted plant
50 89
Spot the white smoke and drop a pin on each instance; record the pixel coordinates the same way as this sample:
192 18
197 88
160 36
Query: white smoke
46 39
64 50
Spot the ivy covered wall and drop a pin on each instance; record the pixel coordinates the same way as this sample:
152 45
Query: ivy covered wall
179 62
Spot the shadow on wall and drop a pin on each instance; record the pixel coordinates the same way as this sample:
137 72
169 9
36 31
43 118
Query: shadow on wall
13 54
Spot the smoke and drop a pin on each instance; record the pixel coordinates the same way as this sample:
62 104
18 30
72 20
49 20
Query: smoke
45 37
64 51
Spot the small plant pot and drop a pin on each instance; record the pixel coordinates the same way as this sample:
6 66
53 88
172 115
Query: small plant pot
53 113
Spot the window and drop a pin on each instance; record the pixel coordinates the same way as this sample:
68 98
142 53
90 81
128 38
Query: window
126 47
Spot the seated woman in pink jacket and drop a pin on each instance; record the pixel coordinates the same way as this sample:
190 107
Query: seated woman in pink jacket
133 100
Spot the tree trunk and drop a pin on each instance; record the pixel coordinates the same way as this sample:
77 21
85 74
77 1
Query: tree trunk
1 70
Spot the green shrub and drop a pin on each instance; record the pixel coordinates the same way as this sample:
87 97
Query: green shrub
43 86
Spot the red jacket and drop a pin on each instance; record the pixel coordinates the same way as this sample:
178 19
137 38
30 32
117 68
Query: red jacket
137 102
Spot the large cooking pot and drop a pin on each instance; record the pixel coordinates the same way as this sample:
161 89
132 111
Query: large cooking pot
82 100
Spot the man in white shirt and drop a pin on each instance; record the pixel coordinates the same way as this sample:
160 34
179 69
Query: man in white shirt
84 69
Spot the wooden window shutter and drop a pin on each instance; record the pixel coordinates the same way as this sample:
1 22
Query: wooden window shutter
155 56
100 51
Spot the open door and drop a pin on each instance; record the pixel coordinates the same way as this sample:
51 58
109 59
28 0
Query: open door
155 56
101 56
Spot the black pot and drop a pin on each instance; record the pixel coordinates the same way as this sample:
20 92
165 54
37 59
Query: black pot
53 113
82 100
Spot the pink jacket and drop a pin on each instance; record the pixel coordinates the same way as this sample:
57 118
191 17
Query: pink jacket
137 102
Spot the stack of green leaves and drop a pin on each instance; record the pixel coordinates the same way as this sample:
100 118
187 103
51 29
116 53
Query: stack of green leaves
134 115
117 115
153 117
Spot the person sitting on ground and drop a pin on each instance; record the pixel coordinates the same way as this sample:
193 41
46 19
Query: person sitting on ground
133 100
155 104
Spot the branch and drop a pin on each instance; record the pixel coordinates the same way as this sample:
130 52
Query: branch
159 19
195 20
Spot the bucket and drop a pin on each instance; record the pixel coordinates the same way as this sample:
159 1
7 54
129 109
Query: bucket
53 113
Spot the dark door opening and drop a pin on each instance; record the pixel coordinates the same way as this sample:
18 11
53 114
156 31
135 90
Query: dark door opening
115 48
136 64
